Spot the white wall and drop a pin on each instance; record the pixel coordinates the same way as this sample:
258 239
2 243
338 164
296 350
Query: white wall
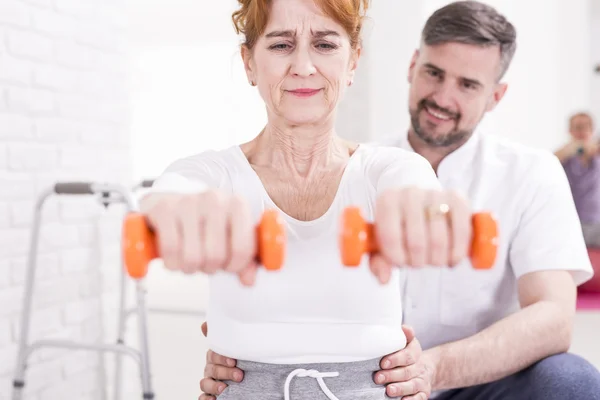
190 91
550 76
535 108
63 115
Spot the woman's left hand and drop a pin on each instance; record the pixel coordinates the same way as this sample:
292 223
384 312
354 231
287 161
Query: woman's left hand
417 227
407 374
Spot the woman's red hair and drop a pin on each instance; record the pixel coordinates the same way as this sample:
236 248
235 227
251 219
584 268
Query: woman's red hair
253 15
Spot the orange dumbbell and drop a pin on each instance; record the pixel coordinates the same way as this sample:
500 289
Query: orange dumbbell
139 243
358 237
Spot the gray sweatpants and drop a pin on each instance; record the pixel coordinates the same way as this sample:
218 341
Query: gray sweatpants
559 377
343 381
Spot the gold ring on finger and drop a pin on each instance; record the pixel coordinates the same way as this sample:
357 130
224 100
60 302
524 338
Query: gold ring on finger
439 210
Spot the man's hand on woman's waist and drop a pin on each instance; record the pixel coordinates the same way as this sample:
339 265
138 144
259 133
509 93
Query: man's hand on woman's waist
405 373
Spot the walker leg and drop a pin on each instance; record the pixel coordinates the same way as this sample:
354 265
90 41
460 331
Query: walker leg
19 376
121 334
148 394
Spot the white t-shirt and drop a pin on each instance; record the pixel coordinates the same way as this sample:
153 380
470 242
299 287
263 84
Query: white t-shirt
539 229
313 309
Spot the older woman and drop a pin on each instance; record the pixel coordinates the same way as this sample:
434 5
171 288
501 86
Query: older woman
313 330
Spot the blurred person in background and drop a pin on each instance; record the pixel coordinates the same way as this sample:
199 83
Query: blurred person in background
580 158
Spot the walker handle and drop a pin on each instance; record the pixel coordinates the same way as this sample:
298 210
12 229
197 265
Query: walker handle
73 188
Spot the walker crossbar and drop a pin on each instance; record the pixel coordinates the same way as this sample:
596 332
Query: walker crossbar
67 344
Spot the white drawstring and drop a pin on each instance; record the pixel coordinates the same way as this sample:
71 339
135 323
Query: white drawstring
311 373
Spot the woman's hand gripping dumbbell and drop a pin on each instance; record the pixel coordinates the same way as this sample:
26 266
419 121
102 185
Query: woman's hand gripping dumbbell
175 228
403 234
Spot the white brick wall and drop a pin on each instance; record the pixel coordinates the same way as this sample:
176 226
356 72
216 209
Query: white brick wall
63 115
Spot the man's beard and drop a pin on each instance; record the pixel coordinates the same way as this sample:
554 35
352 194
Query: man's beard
454 137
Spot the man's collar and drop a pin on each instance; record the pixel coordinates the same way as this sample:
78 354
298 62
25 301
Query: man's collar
453 163
461 158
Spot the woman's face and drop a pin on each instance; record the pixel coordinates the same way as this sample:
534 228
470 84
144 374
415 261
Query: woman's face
302 63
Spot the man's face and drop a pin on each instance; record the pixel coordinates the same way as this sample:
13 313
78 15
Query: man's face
452 86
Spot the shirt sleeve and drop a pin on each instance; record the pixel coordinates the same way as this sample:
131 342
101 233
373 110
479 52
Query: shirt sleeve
401 168
549 235
191 175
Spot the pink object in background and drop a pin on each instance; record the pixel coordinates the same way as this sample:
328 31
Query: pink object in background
588 296
593 285
588 301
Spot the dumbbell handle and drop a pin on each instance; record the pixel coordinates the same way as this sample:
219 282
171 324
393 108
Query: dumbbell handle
140 243
358 237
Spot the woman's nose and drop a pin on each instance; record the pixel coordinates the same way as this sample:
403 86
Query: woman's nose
302 64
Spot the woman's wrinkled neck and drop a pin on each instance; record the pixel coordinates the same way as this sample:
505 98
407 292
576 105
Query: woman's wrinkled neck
300 150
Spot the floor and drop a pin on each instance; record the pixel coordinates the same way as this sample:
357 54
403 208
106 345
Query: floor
586 340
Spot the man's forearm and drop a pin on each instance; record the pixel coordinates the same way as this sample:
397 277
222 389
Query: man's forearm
504 348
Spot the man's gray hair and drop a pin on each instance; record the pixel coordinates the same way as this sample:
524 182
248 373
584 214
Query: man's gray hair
472 22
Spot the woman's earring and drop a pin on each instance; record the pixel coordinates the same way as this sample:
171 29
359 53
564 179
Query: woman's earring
252 83
350 83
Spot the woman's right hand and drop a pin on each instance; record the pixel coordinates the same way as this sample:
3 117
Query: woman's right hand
204 232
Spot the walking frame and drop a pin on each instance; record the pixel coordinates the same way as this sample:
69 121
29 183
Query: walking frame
106 194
